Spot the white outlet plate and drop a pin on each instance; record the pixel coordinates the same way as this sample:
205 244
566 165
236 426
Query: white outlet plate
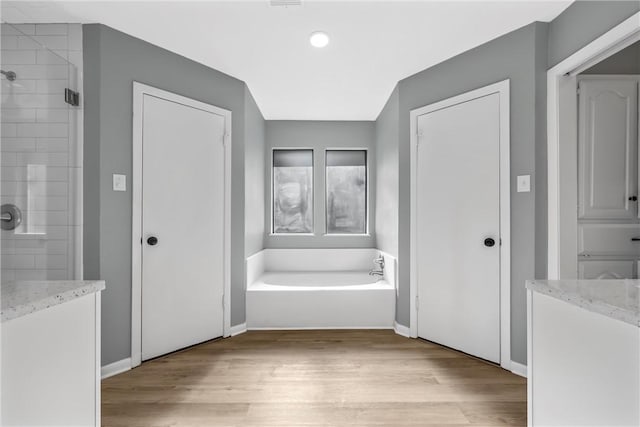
119 182
524 183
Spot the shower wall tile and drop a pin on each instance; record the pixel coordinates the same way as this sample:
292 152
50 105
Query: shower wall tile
16 57
49 261
75 190
18 115
8 42
37 100
22 173
8 159
19 262
48 274
9 129
18 144
51 29
59 57
43 130
41 153
19 29
52 145
38 42
22 188
44 203
35 247
39 71
47 159
52 115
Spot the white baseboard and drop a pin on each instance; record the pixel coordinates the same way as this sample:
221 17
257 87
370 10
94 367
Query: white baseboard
115 368
401 330
238 329
519 369
317 328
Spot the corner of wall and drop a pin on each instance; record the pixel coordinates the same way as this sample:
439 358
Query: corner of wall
254 124
540 179
91 39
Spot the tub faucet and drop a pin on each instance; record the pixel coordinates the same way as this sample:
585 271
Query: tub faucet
379 271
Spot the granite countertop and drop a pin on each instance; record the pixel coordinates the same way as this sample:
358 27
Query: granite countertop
22 298
617 299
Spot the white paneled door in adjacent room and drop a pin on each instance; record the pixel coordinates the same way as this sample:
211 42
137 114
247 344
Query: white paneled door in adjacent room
182 222
458 224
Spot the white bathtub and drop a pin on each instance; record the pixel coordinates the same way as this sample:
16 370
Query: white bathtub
285 291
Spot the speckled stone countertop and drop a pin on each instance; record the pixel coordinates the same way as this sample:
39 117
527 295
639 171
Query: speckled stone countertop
22 298
618 299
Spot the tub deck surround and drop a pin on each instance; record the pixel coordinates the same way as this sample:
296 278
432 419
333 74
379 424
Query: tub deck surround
319 288
22 298
617 299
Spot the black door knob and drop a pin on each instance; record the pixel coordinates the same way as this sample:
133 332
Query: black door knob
152 240
489 242
633 198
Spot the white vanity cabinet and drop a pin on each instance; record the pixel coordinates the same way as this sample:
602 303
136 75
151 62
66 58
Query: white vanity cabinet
608 215
583 343
51 354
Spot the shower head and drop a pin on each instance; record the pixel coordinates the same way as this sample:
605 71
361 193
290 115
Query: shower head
10 75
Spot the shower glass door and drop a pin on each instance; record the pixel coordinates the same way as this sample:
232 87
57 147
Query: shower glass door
40 156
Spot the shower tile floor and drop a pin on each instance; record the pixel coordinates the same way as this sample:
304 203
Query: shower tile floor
315 378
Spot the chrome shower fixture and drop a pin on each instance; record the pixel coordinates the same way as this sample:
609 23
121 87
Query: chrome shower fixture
10 75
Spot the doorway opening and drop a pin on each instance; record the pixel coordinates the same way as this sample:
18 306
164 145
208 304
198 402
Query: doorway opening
566 234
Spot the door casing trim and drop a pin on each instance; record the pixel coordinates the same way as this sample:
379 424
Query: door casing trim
502 89
139 90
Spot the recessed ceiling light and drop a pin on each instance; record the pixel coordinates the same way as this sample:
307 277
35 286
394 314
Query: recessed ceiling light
319 39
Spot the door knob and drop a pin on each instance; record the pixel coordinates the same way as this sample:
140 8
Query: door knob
152 241
633 198
489 242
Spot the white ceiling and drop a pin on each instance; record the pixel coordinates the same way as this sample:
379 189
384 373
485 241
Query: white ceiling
373 44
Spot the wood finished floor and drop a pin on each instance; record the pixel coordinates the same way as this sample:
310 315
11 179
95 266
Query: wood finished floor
315 378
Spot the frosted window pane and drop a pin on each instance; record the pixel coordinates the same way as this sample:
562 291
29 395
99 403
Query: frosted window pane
292 191
346 192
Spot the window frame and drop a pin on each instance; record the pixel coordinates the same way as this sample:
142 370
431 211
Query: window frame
272 194
367 192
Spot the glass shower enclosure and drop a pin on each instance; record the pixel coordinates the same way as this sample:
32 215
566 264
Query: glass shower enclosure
41 158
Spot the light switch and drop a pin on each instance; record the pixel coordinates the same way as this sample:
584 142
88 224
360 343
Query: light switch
524 183
119 182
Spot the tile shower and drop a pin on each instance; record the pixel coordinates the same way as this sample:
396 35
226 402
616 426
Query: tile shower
41 151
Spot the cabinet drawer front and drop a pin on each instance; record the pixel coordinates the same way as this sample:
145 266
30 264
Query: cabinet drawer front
606 269
608 239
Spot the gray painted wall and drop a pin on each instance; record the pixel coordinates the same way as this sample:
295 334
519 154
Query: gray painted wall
522 56
387 136
254 177
320 135
512 56
582 22
113 60
627 61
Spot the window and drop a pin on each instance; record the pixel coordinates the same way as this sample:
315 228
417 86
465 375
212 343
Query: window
293 191
346 191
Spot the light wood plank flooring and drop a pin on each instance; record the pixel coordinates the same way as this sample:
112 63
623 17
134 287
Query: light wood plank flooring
315 378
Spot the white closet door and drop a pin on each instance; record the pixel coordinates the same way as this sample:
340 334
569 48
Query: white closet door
608 144
183 209
458 219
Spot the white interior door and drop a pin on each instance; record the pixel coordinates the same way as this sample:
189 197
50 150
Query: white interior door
183 182
457 218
